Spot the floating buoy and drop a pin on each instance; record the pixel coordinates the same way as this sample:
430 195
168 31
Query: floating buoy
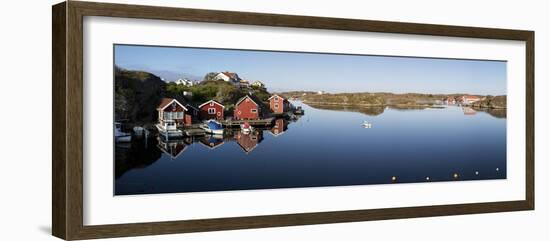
394 178
477 173
427 178
497 169
455 175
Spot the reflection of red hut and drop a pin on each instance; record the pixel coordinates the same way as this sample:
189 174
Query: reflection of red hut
211 110
468 111
278 104
172 148
279 128
247 109
171 109
248 141
212 141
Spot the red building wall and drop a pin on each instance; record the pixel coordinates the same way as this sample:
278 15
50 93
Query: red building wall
243 111
279 105
218 115
175 108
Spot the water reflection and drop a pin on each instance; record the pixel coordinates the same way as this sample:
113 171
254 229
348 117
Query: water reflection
172 148
327 147
367 110
130 156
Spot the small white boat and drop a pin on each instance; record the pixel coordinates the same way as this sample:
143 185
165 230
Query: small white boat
213 127
246 128
169 129
138 130
121 136
367 124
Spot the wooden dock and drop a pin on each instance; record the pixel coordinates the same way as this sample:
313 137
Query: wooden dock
194 131
260 122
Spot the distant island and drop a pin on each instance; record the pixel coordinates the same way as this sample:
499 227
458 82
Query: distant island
408 100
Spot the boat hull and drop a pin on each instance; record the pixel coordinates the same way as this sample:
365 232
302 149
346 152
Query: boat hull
210 131
122 139
169 133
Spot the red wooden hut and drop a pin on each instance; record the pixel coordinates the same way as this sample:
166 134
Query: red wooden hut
171 109
247 108
211 110
278 104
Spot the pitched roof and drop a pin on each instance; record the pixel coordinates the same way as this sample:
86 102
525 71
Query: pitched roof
230 74
280 96
192 106
470 97
200 106
168 101
244 97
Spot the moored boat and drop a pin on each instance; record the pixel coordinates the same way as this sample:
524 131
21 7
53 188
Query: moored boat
298 111
367 124
213 127
169 129
121 136
246 128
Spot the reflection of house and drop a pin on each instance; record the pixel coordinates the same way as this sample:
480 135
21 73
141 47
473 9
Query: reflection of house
212 141
468 111
248 141
247 109
173 148
279 128
258 84
171 109
278 104
469 99
228 77
211 110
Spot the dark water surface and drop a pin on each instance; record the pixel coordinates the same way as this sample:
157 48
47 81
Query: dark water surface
327 146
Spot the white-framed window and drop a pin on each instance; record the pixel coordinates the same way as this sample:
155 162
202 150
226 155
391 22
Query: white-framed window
211 110
276 98
254 110
276 106
180 115
211 103
170 115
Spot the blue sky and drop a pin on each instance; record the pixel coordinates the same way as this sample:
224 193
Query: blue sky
335 73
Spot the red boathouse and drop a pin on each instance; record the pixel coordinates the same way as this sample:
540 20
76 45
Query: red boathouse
171 109
211 110
247 109
278 104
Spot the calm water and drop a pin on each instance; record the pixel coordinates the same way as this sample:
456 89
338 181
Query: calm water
326 147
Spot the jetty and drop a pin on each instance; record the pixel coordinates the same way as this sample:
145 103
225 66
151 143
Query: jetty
258 122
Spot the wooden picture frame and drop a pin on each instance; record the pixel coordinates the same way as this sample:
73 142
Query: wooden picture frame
67 137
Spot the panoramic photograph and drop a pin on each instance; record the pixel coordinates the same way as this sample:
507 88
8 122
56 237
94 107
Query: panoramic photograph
192 119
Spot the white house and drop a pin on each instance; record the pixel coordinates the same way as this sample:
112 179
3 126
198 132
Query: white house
469 99
185 82
258 84
229 77
244 83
